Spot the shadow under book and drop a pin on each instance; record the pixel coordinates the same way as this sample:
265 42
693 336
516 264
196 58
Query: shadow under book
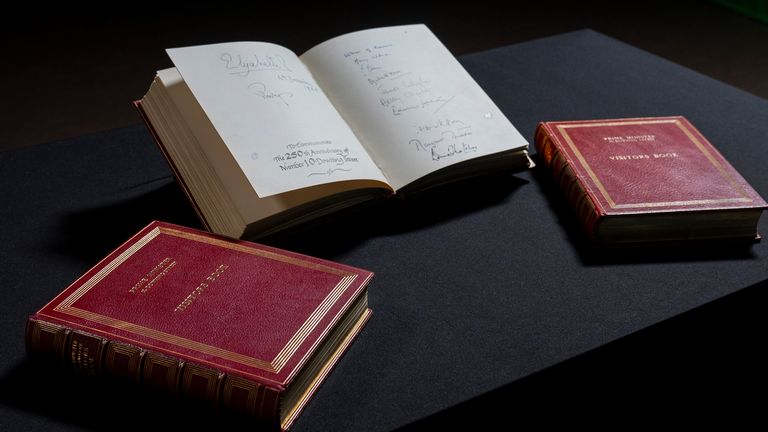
262 139
248 328
652 180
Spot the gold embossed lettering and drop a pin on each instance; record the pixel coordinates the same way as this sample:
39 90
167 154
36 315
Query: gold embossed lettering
629 157
200 288
629 138
664 155
154 275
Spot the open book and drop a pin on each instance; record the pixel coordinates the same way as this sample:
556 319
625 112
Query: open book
262 139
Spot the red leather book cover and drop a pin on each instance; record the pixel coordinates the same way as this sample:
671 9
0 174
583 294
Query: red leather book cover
223 307
643 166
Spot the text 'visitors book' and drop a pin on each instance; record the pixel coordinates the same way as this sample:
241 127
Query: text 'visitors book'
641 180
249 328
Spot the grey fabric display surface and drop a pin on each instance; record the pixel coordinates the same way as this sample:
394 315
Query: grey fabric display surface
480 286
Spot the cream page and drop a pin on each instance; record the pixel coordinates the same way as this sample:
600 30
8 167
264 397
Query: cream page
409 101
280 127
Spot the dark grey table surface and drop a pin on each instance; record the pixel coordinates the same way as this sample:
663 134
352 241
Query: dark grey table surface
479 287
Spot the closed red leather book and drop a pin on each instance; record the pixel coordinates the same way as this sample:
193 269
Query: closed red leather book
649 179
247 327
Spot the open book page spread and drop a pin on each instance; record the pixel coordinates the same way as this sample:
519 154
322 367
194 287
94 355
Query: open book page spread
280 127
410 102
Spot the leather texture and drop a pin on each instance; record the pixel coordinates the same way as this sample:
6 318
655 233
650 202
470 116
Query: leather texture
648 165
228 305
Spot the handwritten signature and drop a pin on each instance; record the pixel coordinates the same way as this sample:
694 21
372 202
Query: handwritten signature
374 81
418 82
398 110
260 89
387 101
425 145
453 150
440 124
243 66
458 133
399 89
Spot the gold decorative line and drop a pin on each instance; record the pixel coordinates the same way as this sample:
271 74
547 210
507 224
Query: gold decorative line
690 136
156 359
133 353
169 338
234 382
282 357
48 327
152 350
290 417
618 123
684 203
713 160
107 270
254 251
36 330
585 164
310 324
300 336
211 378
122 348
351 300
290 348
261 405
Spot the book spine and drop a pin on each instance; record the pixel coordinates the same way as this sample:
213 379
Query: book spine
565 177
89 354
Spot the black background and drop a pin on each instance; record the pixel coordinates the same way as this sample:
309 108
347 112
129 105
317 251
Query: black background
71 202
